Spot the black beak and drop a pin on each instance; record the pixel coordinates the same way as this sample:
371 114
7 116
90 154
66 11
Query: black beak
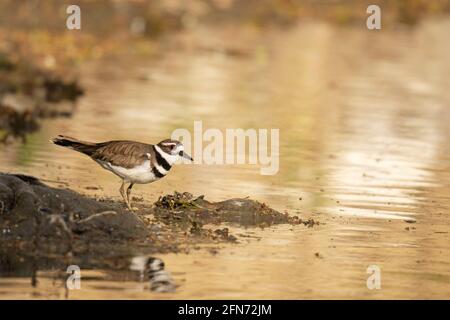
185 155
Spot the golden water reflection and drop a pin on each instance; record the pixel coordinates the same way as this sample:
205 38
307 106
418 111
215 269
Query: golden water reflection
363 147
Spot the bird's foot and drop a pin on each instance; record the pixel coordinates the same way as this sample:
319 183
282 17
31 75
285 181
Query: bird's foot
131 208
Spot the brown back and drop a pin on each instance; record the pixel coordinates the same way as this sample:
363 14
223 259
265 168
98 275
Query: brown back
127 154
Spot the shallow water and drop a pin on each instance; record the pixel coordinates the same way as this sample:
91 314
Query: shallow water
364 130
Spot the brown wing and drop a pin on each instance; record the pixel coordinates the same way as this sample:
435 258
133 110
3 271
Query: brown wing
127 154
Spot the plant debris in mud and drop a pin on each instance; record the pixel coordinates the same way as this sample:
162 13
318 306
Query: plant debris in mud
28 94
183 208
39 220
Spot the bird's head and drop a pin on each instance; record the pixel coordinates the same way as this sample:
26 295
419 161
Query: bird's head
154 264
174 150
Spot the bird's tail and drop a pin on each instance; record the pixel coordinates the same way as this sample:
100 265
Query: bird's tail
81 146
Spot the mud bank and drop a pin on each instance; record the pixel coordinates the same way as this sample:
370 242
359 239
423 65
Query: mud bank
183 208
42 220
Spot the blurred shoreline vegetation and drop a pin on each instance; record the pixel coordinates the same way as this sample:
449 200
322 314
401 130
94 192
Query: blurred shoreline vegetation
37 29
28 93
40 57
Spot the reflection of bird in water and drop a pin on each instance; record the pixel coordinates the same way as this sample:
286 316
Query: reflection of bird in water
153 268
132 161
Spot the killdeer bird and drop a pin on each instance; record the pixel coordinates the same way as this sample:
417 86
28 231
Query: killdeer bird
134 162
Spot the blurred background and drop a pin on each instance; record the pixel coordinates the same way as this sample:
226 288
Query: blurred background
363 116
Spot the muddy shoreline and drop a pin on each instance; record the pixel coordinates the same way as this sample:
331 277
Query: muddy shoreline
39 222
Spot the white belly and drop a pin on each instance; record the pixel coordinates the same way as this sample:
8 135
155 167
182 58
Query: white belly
138 174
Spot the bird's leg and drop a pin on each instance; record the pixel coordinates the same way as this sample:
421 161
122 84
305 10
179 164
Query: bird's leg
122 193
128 195
121 189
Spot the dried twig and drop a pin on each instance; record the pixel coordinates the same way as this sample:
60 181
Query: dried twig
95 216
